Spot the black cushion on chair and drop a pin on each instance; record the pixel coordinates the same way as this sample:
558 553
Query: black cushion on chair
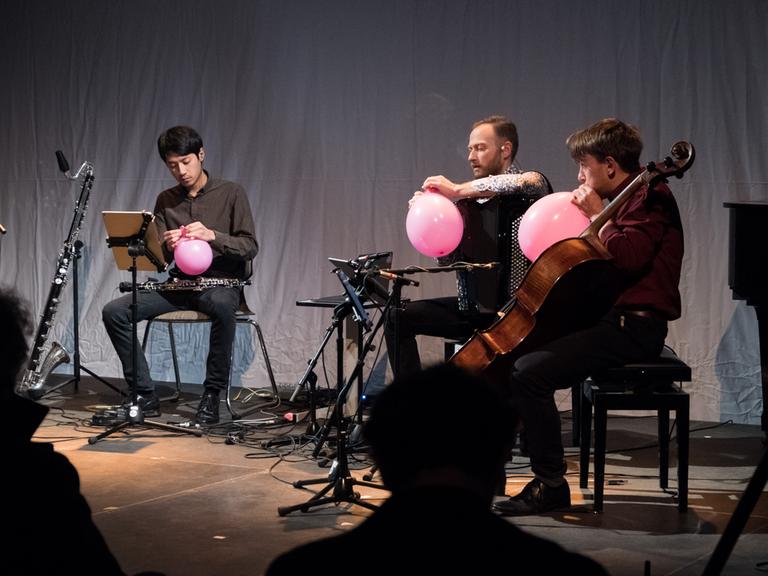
665 369
639 386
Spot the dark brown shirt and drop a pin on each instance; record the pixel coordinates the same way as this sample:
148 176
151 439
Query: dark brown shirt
646 240
221 206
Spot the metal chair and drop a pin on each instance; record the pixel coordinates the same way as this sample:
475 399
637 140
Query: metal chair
244 316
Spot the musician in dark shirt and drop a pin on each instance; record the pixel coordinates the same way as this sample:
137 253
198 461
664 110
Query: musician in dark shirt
645 238
492 147
204 208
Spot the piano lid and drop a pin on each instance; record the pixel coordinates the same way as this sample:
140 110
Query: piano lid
748 251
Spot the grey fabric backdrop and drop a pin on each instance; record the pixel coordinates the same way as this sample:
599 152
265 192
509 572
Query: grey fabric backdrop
332 113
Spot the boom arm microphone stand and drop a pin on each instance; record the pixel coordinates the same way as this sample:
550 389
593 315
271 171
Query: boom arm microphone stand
340 482
352 304
309 377
134 414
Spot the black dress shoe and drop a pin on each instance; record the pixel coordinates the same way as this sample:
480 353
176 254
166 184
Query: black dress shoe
535 498
149 402
208 410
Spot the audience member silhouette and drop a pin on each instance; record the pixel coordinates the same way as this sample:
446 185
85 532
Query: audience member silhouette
48 525
441 438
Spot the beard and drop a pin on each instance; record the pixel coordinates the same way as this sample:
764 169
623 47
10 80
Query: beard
492 169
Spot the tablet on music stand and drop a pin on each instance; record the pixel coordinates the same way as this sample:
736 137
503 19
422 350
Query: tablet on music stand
123 226
376 287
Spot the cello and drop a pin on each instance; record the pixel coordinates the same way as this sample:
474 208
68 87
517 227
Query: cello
571 270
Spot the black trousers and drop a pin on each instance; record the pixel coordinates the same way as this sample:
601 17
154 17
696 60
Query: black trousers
618 338
220 303
434 317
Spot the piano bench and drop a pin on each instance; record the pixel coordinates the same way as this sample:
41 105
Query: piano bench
652 385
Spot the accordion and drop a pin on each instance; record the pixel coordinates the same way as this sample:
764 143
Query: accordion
490 235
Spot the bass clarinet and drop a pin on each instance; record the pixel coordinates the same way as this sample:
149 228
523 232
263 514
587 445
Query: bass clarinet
42 362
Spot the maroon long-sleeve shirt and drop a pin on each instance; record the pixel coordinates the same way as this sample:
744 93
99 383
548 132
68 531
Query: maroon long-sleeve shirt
646 240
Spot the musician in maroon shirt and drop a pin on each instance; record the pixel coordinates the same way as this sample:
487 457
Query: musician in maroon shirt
204 208
645 239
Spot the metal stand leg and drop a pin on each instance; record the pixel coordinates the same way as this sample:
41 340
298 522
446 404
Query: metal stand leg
340 483
135 415
76 334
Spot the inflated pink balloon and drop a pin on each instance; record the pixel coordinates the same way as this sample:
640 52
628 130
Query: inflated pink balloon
548 220
193 257
434 225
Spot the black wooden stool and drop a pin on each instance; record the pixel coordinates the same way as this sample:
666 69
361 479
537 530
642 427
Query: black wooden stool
651 385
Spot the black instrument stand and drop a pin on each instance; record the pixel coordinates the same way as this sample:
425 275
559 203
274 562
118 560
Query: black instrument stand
309 378
76 334
340 482
134 413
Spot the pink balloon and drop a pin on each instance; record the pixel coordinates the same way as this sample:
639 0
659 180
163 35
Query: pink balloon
193 257
434 225
548 220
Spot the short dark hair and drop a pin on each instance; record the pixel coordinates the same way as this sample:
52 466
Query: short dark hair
17 324
181 140
608 137
437 418
503 128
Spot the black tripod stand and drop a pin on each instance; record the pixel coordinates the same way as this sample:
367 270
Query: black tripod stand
309 378
133 411
340 482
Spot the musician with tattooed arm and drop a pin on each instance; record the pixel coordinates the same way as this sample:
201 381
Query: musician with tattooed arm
491 151
205 208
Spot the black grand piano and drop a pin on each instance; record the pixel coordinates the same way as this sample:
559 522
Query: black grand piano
748 272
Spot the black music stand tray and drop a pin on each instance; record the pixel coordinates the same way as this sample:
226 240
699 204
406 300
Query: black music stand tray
135 245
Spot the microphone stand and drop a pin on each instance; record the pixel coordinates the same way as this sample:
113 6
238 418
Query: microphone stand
309 377
340 482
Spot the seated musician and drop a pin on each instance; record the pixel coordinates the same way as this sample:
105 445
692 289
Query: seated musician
204 208
493 145
645 238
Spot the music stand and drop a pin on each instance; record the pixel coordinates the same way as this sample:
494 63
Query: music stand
135 245
372 289
340 483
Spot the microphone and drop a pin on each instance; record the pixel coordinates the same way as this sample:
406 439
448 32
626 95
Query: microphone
63 164
372 256
392 276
